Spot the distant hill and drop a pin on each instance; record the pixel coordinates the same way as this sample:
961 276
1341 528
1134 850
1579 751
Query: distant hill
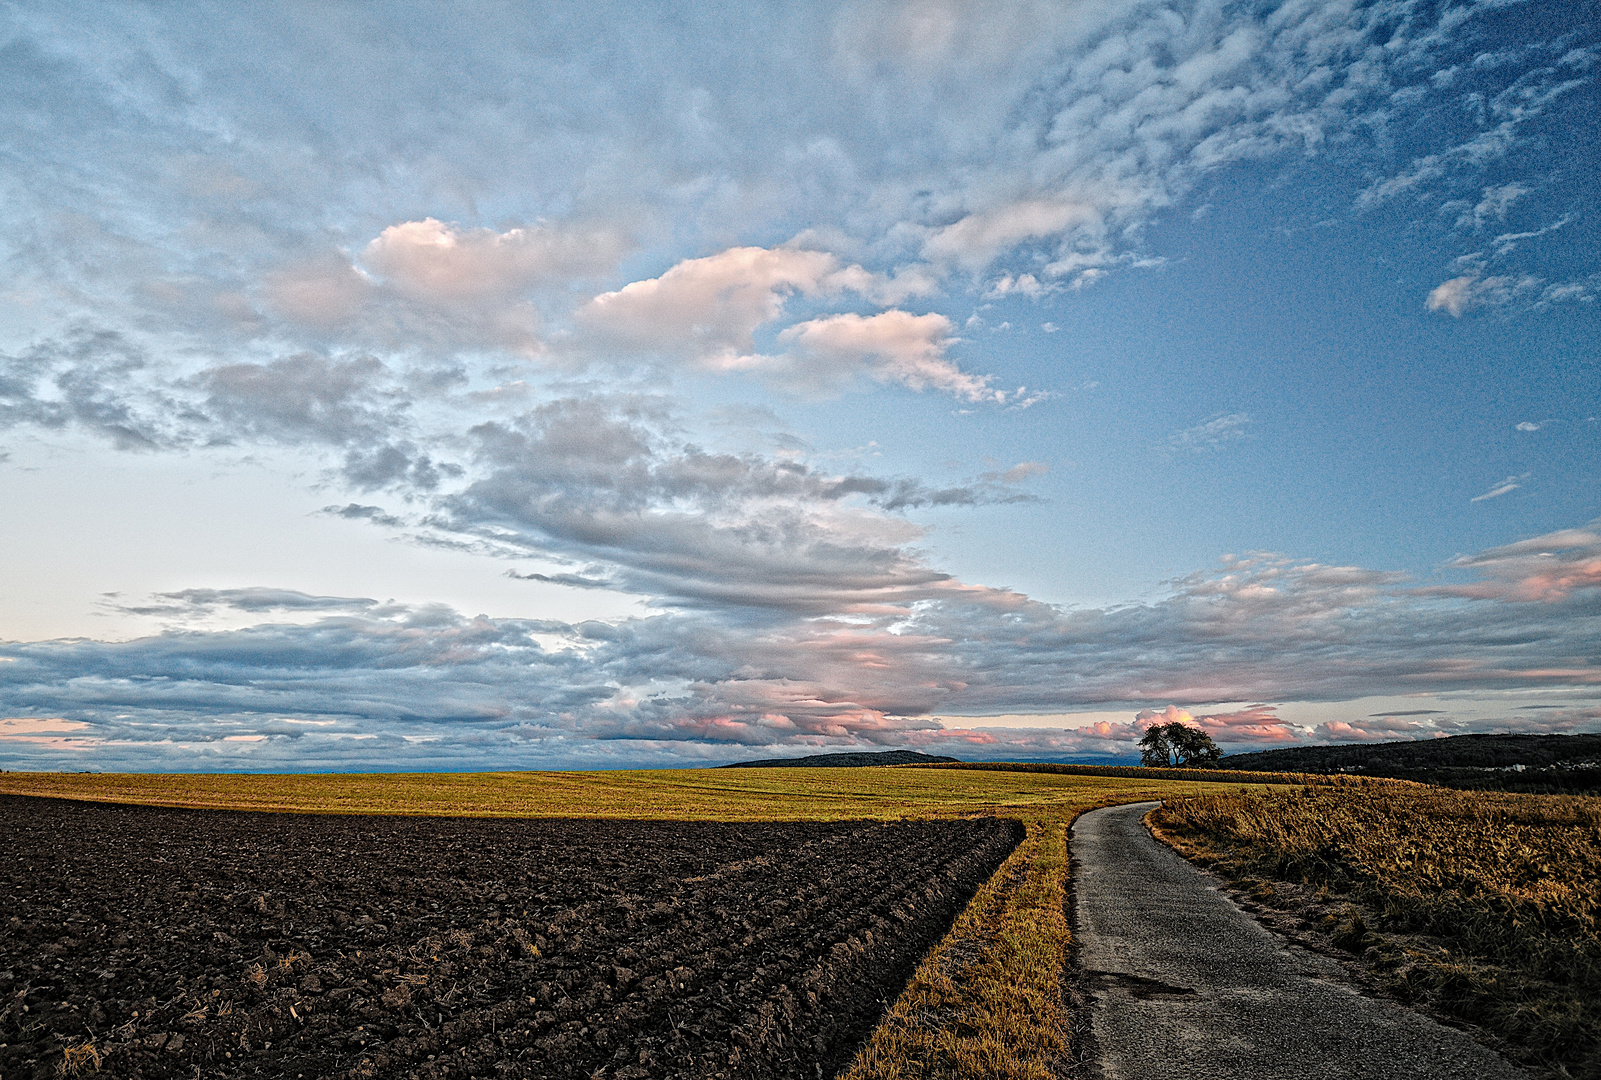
849 761
1488 762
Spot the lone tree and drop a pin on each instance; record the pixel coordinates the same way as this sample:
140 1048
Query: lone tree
1177 744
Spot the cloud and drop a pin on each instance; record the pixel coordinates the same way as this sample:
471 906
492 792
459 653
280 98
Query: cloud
1495 203
603 479
978 238
1212 434
890 347
707 310
1527 97
200 602
91 379
1581 291
1507 243
1258 724
1386 729
1547 569
377 515
795 636
1460 294
441 263
1401 727
324 293
265 269
1505 487
346 403
1018 473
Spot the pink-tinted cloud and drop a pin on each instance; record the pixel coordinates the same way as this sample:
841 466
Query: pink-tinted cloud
1256 724
322 293
1545 569
441 263
890 347
1377 729
708 309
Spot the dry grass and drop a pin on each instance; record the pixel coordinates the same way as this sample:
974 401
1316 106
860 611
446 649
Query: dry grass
77 1060
1484 905
987 1002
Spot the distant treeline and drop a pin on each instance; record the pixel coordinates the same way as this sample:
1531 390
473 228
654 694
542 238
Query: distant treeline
1141 772
1531 763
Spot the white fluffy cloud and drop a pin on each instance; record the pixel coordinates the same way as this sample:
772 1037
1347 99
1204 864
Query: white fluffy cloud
708 310
892 346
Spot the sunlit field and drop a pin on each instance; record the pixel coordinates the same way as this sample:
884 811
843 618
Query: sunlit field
669 794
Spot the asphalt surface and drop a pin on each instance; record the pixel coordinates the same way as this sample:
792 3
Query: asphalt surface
1186 986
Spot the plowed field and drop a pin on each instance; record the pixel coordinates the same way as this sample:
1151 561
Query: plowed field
166 943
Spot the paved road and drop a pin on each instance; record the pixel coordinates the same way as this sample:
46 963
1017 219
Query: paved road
1186 986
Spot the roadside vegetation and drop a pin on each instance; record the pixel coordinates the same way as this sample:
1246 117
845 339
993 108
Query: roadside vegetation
988 1000
1481 905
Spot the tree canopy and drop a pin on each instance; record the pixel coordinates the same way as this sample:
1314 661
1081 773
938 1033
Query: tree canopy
1177 744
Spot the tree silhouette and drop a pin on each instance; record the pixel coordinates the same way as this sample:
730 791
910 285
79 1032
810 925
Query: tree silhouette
1177 745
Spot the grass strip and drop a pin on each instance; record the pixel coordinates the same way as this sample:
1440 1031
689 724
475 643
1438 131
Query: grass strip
1485 906
988 1000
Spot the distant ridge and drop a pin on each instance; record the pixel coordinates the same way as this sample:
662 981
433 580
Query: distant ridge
848 760
1495 762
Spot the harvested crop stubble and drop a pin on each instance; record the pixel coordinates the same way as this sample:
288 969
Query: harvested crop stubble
164 943
1505 891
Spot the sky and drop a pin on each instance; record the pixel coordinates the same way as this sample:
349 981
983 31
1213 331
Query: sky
465 386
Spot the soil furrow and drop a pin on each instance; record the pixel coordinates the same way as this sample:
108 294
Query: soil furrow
156 942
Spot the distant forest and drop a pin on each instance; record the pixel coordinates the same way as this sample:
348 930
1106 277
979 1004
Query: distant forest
1549 763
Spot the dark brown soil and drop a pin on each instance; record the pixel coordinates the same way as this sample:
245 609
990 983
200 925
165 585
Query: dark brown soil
173 943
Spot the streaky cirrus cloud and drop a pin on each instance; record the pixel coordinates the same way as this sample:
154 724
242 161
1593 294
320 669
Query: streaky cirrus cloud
1505 487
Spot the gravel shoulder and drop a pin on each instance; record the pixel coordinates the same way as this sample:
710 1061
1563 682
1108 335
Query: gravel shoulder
1184 983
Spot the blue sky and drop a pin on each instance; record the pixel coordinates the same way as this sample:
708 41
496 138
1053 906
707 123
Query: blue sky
428 386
